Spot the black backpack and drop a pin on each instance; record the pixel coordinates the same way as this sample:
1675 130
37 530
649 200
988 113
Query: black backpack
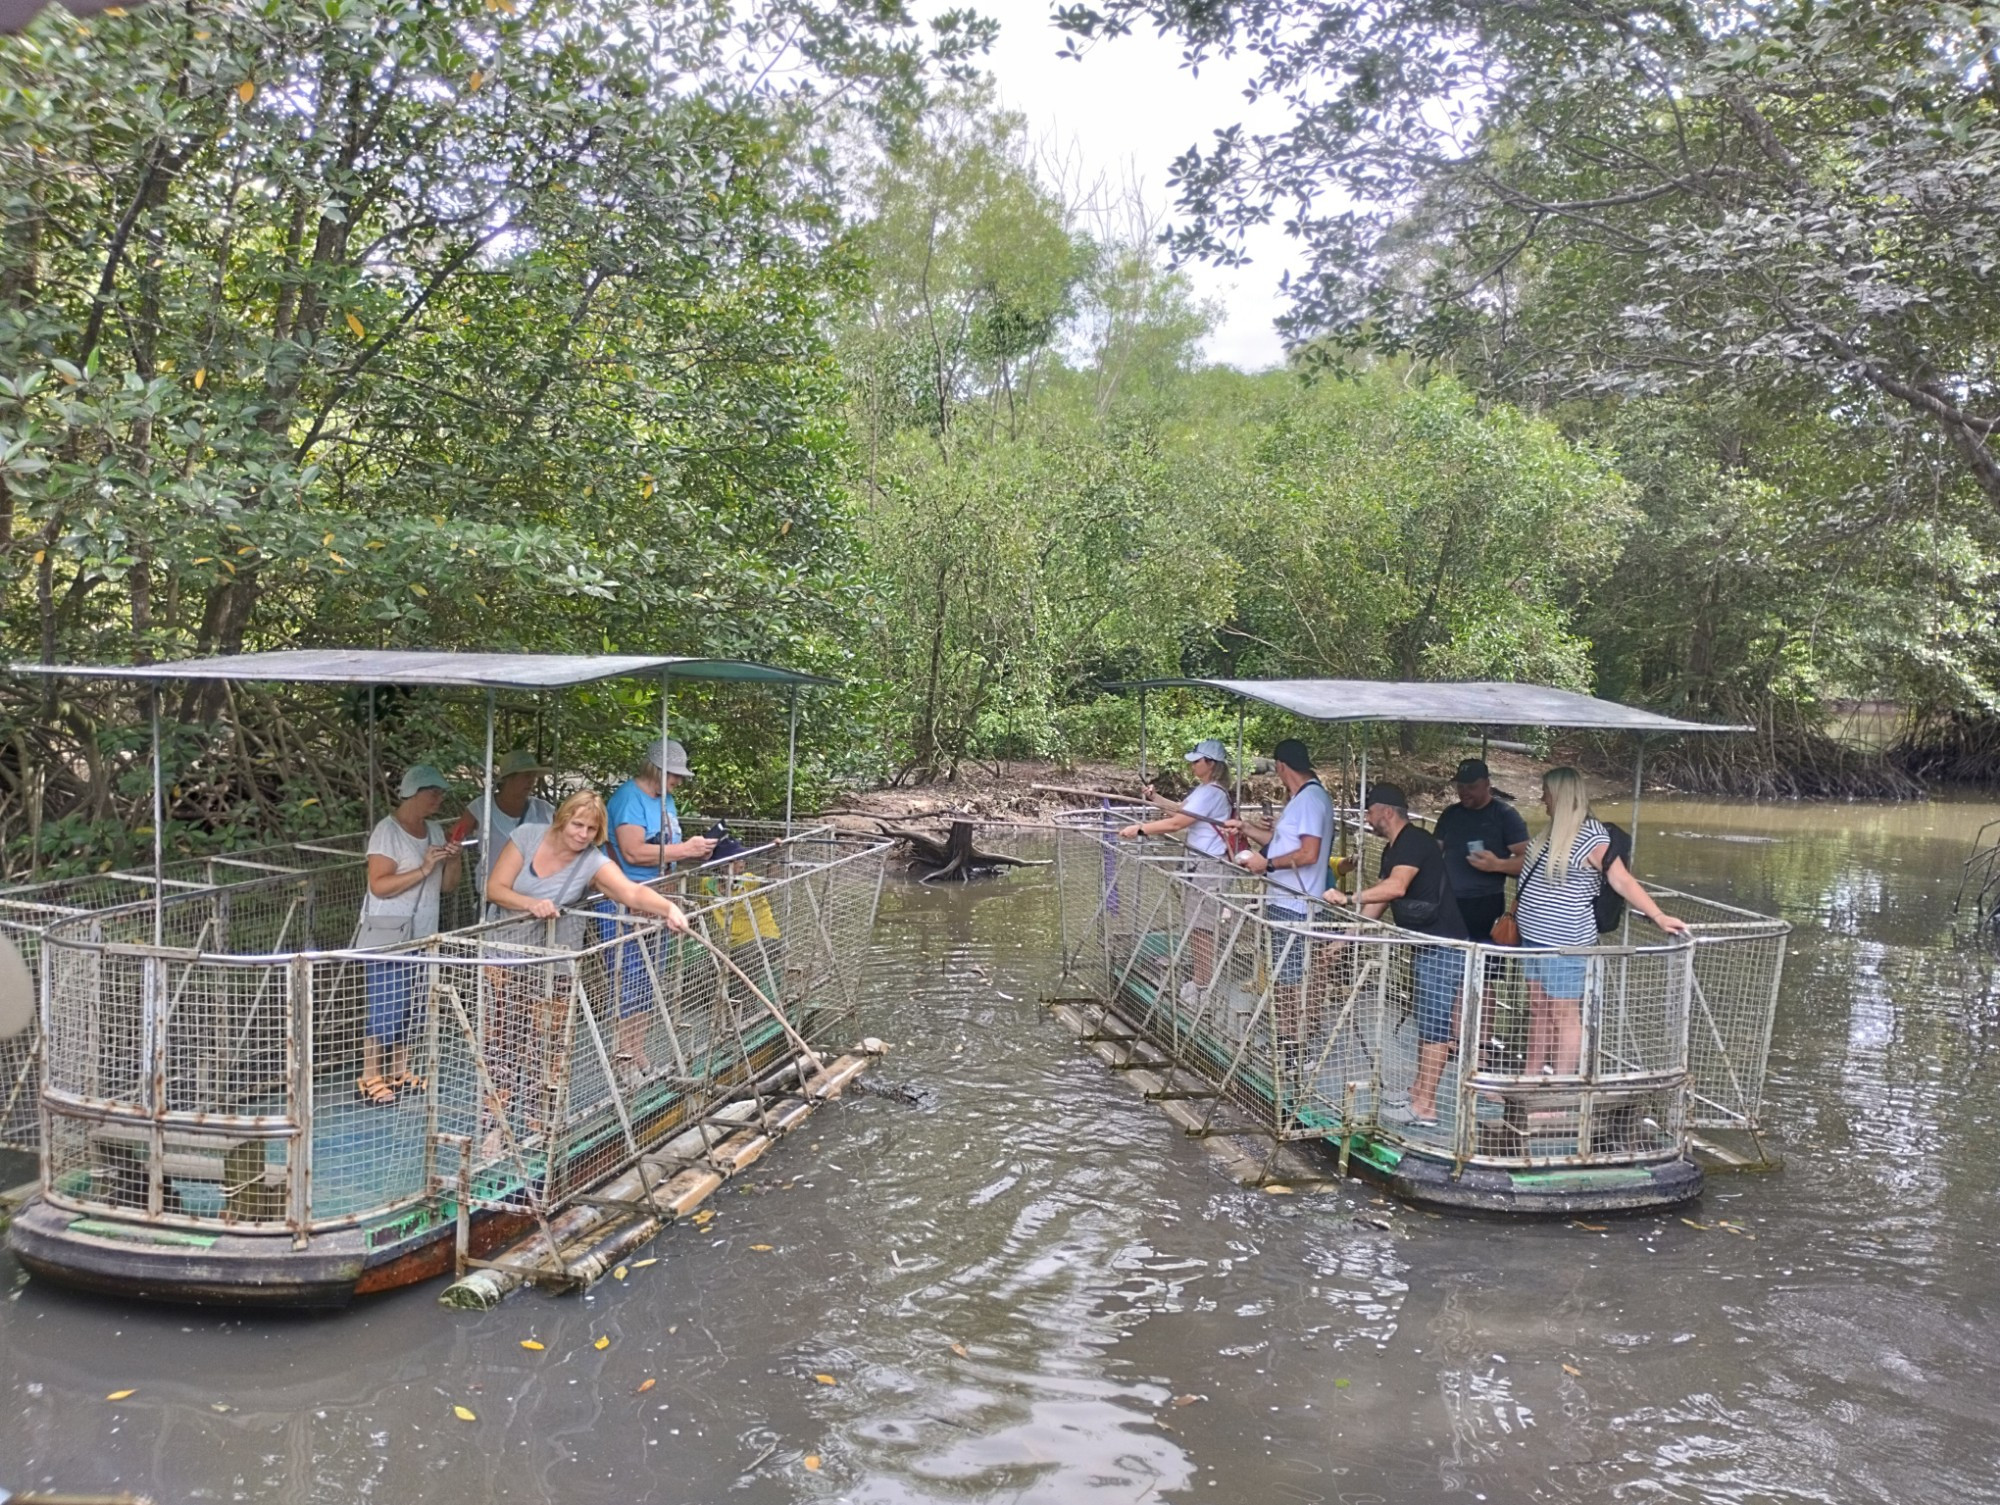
1609 905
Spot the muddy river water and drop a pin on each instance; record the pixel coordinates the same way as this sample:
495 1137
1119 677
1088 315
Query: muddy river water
1028 1286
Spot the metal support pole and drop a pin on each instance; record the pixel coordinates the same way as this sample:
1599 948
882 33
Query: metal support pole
1239 753
666 685
374 775
791 754
1361 830
1638 775
1142 739
488 856
159 824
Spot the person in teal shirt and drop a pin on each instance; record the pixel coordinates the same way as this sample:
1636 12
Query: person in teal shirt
645 841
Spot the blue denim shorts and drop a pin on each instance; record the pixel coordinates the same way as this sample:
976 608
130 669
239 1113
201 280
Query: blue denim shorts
1558 976
1440 975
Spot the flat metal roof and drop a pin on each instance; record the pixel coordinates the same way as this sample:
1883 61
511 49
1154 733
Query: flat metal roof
391 666
1474 703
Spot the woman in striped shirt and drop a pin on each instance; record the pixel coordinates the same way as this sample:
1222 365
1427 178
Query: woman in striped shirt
1561 875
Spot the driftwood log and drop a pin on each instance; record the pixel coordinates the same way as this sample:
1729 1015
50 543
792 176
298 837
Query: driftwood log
954 855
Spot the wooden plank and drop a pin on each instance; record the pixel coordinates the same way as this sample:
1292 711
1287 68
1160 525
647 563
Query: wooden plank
1291 1166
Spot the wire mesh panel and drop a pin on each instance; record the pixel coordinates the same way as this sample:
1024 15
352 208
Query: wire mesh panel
1323 1024
1733 999
325 920
312 1089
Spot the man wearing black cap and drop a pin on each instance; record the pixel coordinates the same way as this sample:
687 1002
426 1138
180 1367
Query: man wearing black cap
1417 893
1484 840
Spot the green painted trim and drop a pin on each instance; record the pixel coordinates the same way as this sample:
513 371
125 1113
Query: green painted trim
1385 1157
135 1235
1582 1178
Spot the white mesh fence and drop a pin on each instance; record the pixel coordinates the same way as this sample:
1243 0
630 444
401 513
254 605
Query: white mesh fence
203 1087
1318 1024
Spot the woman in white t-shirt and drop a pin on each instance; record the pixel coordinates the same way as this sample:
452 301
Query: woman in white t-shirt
410 865
1201 815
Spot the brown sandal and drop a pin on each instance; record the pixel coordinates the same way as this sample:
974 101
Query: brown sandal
408 1081
374 1091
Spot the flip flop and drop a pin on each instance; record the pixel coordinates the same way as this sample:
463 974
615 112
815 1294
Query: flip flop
408 1081
374 1091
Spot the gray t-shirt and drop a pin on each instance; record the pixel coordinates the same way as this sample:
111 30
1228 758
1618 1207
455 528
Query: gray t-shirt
563 887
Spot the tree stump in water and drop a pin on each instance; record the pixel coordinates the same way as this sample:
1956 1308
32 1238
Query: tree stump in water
954 855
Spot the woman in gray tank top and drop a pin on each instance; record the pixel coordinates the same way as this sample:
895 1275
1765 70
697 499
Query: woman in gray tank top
540 876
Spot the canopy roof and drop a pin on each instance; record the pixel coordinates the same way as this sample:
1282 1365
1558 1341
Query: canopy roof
1477 703
393 666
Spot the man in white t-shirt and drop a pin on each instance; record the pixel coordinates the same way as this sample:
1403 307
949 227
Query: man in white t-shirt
515 804
1202 815
1294 860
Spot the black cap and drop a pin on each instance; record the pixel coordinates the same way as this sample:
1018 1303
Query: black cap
1386 794
1292 753
1471 771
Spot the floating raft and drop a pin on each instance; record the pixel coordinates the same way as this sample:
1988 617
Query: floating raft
585 1242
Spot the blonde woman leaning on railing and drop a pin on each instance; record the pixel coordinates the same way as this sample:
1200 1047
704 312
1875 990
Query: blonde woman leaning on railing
544 870
1561 875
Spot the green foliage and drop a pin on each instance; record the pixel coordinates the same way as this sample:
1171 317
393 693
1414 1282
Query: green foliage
445 325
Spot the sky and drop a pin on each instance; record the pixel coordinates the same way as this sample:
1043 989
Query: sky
1122 114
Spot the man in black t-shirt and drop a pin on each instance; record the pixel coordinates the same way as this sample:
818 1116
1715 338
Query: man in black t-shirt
1416 890
1484 840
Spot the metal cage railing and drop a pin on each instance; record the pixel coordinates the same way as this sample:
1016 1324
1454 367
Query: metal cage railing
1310 1029
203 1088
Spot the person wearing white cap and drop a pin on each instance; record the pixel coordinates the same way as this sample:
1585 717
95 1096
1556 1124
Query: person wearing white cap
1201 815
515 804
410 865
646 842
646 823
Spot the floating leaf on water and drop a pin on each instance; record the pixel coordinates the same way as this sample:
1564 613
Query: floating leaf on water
1592 1227
531 1345
218 1406
642 1263
1342 1384
1187 1400
704 1215
761 1248
463 1413
959 1349
1278 1189
123 1394
1572 1369
825 1379
1704 1227
601 1343
620 1273
812 1461
646 1384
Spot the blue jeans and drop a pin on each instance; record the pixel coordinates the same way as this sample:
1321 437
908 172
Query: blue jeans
628 962
1288 951
1440 975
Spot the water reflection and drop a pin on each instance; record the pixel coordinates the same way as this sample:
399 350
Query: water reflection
1027 1286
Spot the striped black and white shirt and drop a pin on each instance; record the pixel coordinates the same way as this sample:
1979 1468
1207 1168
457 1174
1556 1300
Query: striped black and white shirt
1561 916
